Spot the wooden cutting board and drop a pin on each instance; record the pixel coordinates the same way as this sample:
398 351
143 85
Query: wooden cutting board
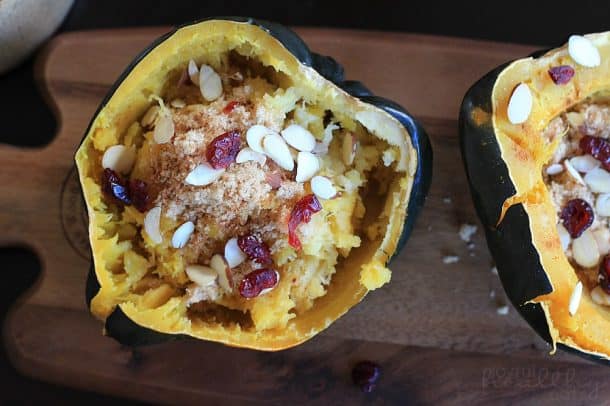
434 329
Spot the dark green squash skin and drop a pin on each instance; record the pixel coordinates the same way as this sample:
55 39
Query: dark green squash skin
510 242
127 332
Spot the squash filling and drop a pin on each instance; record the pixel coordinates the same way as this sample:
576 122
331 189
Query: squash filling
236 197
578 178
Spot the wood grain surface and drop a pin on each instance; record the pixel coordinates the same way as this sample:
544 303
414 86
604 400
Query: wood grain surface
434 328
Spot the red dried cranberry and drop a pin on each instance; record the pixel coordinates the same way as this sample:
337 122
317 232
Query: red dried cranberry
598 148
561 74
301 213
223 149
139 195
230 106
114 187
256 281
366 374
604 274
577 216
255 248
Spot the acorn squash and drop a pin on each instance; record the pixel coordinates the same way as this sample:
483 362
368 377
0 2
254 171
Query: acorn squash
161 202
518 138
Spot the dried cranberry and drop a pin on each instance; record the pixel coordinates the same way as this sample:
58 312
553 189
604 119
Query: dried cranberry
223 149
255 248
256 281
301 213
577 216
230 106
139 195
598 148
604 274
366 374
114 187
561 74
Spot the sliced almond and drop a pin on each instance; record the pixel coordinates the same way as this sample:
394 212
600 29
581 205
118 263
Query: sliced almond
598 180
584 163
575 119
119 158
585 250
222 269
602 238
564 236
209 83
323 187
248 154
182 234
203 175
554 169
307 166
520 104
573 172
267 290
201 275
233 254
602 204
321 148
193 72
575 299
600 297
299 137
348 149
177 103
152 222
255 135
149 118
164 129
276 148
583 52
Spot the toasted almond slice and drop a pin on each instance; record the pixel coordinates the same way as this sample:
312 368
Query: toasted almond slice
276 148
233 254
323 187
193 72
602 237
178 103
583 52
201 275
564 236
584 163
255 135
575 299
164 130
209 83
152 222
267 290
182 234
203 175
307 166
149 118
520 104
119 158
299 137
602 204
585 250
600 297
575 119
222 269
248 154
598 180
554 169
573 172
348 149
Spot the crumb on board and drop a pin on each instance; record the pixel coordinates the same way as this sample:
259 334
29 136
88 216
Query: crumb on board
447 200
450 259
494 270
502 310
467 231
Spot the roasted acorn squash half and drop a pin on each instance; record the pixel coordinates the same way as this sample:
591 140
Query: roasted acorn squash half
139 285
521 126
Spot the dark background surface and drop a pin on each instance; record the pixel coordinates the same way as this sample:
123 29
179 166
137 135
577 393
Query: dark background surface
26 121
